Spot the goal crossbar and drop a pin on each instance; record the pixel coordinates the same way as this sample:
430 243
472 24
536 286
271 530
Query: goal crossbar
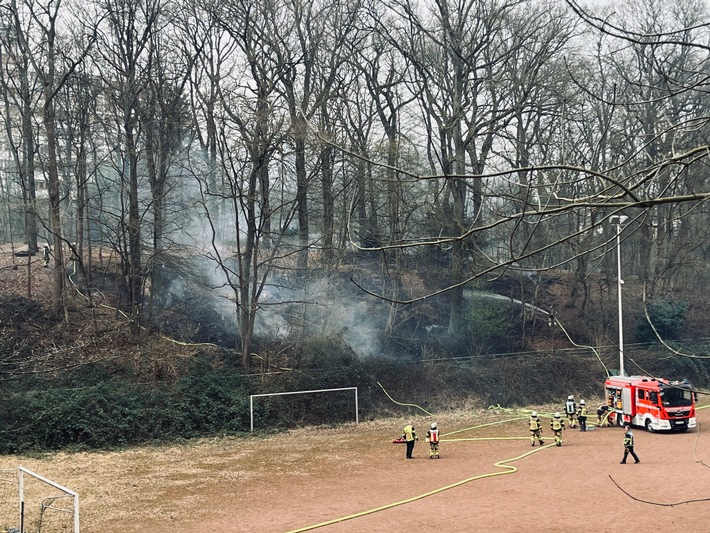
252 396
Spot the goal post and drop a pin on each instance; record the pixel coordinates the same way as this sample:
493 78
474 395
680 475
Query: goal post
47 503
252 396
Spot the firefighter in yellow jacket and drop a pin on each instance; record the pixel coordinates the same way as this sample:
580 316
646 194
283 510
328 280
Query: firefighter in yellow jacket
557 425
410 437
535 429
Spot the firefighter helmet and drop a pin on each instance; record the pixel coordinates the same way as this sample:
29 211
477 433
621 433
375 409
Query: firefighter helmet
533 414
581 402
557 415
570 397
433 425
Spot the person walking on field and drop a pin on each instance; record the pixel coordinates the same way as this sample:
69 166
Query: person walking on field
571 411
410 437
582 416
629 445
557 425
535 429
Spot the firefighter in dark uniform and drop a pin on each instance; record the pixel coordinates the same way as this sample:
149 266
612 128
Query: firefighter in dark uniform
629 445
602 415
535 429
557 425
571 411
582 416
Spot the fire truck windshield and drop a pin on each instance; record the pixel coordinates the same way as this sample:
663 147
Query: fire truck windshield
676 397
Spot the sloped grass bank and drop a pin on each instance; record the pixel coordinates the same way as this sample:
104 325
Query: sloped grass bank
104 406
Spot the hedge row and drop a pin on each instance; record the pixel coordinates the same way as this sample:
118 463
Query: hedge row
99 407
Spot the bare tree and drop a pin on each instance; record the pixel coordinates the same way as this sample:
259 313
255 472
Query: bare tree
248 128
53 63
19 89
377 111
166 117
457 53
124 45
663 115
209 47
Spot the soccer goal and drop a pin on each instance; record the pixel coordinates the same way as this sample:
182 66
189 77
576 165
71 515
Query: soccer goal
251 399
44 505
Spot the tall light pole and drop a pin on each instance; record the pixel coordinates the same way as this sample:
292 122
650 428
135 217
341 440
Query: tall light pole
618 221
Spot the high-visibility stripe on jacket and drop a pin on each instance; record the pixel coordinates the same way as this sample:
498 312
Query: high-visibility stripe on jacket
535 424
628 440
409 433
433 435
557 424
570 407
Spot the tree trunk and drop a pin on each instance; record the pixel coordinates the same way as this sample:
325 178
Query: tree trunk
58 286
301 194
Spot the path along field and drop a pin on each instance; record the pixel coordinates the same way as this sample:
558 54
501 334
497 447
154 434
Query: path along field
352 479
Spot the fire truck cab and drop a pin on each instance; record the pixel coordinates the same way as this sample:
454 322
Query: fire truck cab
655 404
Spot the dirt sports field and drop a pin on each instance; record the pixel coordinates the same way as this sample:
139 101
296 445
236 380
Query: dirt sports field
352 479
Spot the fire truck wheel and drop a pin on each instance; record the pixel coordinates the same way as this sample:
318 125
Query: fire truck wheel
649 427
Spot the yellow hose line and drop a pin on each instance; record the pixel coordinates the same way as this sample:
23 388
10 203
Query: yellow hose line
500 464
485 438
484 425
403 404
569 338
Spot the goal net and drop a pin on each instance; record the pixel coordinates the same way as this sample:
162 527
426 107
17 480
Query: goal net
317 391
31 503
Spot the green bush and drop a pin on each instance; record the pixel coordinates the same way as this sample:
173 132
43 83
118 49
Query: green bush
101 416
62 412
487 328
667 318
211 399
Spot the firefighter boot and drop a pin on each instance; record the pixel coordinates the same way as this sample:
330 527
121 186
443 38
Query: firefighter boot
433 451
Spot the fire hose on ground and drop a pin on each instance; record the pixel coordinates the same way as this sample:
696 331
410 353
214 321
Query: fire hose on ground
503 464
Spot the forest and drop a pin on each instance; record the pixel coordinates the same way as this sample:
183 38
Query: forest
287 184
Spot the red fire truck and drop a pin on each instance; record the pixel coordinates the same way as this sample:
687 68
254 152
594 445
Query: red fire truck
656 404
